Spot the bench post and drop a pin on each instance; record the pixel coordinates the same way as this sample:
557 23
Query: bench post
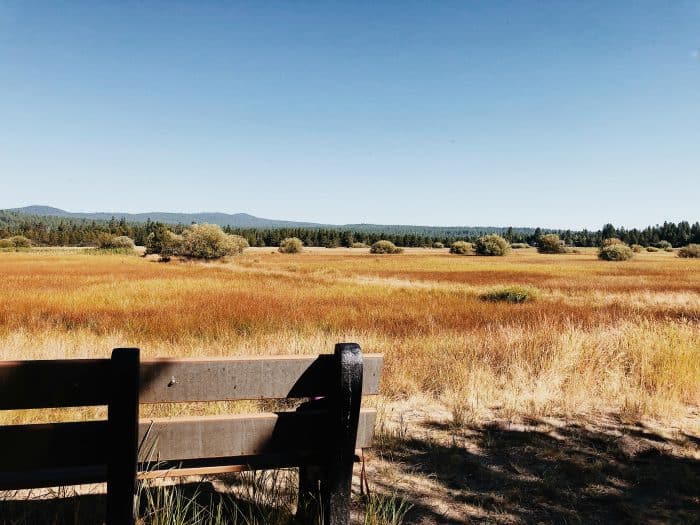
344 417
122 421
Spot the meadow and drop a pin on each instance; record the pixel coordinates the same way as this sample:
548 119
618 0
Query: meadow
595 342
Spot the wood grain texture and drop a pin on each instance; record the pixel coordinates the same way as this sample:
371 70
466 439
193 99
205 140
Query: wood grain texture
53 383
182 380
243 435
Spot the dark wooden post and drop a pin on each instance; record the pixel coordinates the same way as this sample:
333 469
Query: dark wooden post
343 420
123 420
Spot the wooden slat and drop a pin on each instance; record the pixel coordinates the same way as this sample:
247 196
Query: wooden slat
30 479
53 445
181 380
53 383
243 435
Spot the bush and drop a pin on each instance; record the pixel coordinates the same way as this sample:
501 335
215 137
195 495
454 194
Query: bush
663 245
106 241
615 252
550 243
164 243
491 245
438 245
291 245
208 241
359 245
509 294
652 249
519 245
692 251
385 247
611 241
461 248
637 248
18 241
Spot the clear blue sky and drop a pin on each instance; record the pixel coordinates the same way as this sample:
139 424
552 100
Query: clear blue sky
554 113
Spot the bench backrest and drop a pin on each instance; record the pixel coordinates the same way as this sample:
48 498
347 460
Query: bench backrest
322 432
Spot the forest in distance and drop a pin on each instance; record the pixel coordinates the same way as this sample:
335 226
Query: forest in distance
61 231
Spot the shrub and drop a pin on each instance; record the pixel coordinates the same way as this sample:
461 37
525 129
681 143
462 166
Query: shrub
461 247
385 247
652 249
491 245
359 245
615 252
611 241
519 245
18 241
164 243
438 245
509 294
106 241
291 245
550 243
692 251
208 241
663 245
637 248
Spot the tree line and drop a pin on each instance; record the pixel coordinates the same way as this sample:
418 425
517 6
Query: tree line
61 231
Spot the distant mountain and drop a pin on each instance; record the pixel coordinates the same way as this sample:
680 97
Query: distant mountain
244 220
235 220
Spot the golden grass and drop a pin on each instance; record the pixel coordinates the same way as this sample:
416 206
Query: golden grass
621 337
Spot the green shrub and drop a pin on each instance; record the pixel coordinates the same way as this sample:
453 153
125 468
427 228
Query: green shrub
291 245
637 248
359 245
208 241
615 252
692 251
652 249
663 245
611 241
107 241
510 294
550 243
164 243
491 245
438 245
385 247
519 245
16 242
461 248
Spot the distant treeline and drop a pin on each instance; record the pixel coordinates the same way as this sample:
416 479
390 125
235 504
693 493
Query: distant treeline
60 231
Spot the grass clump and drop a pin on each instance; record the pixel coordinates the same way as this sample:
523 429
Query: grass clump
291 245
519 245
663 245
382 247
692 251
652 249
359 245
509 294
550 243
386 509
209 241
438 245
637 248
492 245
615 252
461 248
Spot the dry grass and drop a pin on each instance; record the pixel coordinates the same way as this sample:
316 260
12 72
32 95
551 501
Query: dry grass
550 410
600 337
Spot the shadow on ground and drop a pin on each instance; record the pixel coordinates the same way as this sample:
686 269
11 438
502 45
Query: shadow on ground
539 473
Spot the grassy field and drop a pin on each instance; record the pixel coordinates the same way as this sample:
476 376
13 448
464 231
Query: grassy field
599 340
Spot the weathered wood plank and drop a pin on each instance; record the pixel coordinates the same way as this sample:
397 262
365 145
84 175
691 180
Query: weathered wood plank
243 435
53 383
28 479
53 445
181 380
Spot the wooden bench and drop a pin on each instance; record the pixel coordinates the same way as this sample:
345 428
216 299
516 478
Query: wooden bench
320 436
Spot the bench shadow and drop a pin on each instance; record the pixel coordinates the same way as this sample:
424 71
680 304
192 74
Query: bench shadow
536 473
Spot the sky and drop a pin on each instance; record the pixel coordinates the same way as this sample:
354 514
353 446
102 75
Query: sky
554 114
